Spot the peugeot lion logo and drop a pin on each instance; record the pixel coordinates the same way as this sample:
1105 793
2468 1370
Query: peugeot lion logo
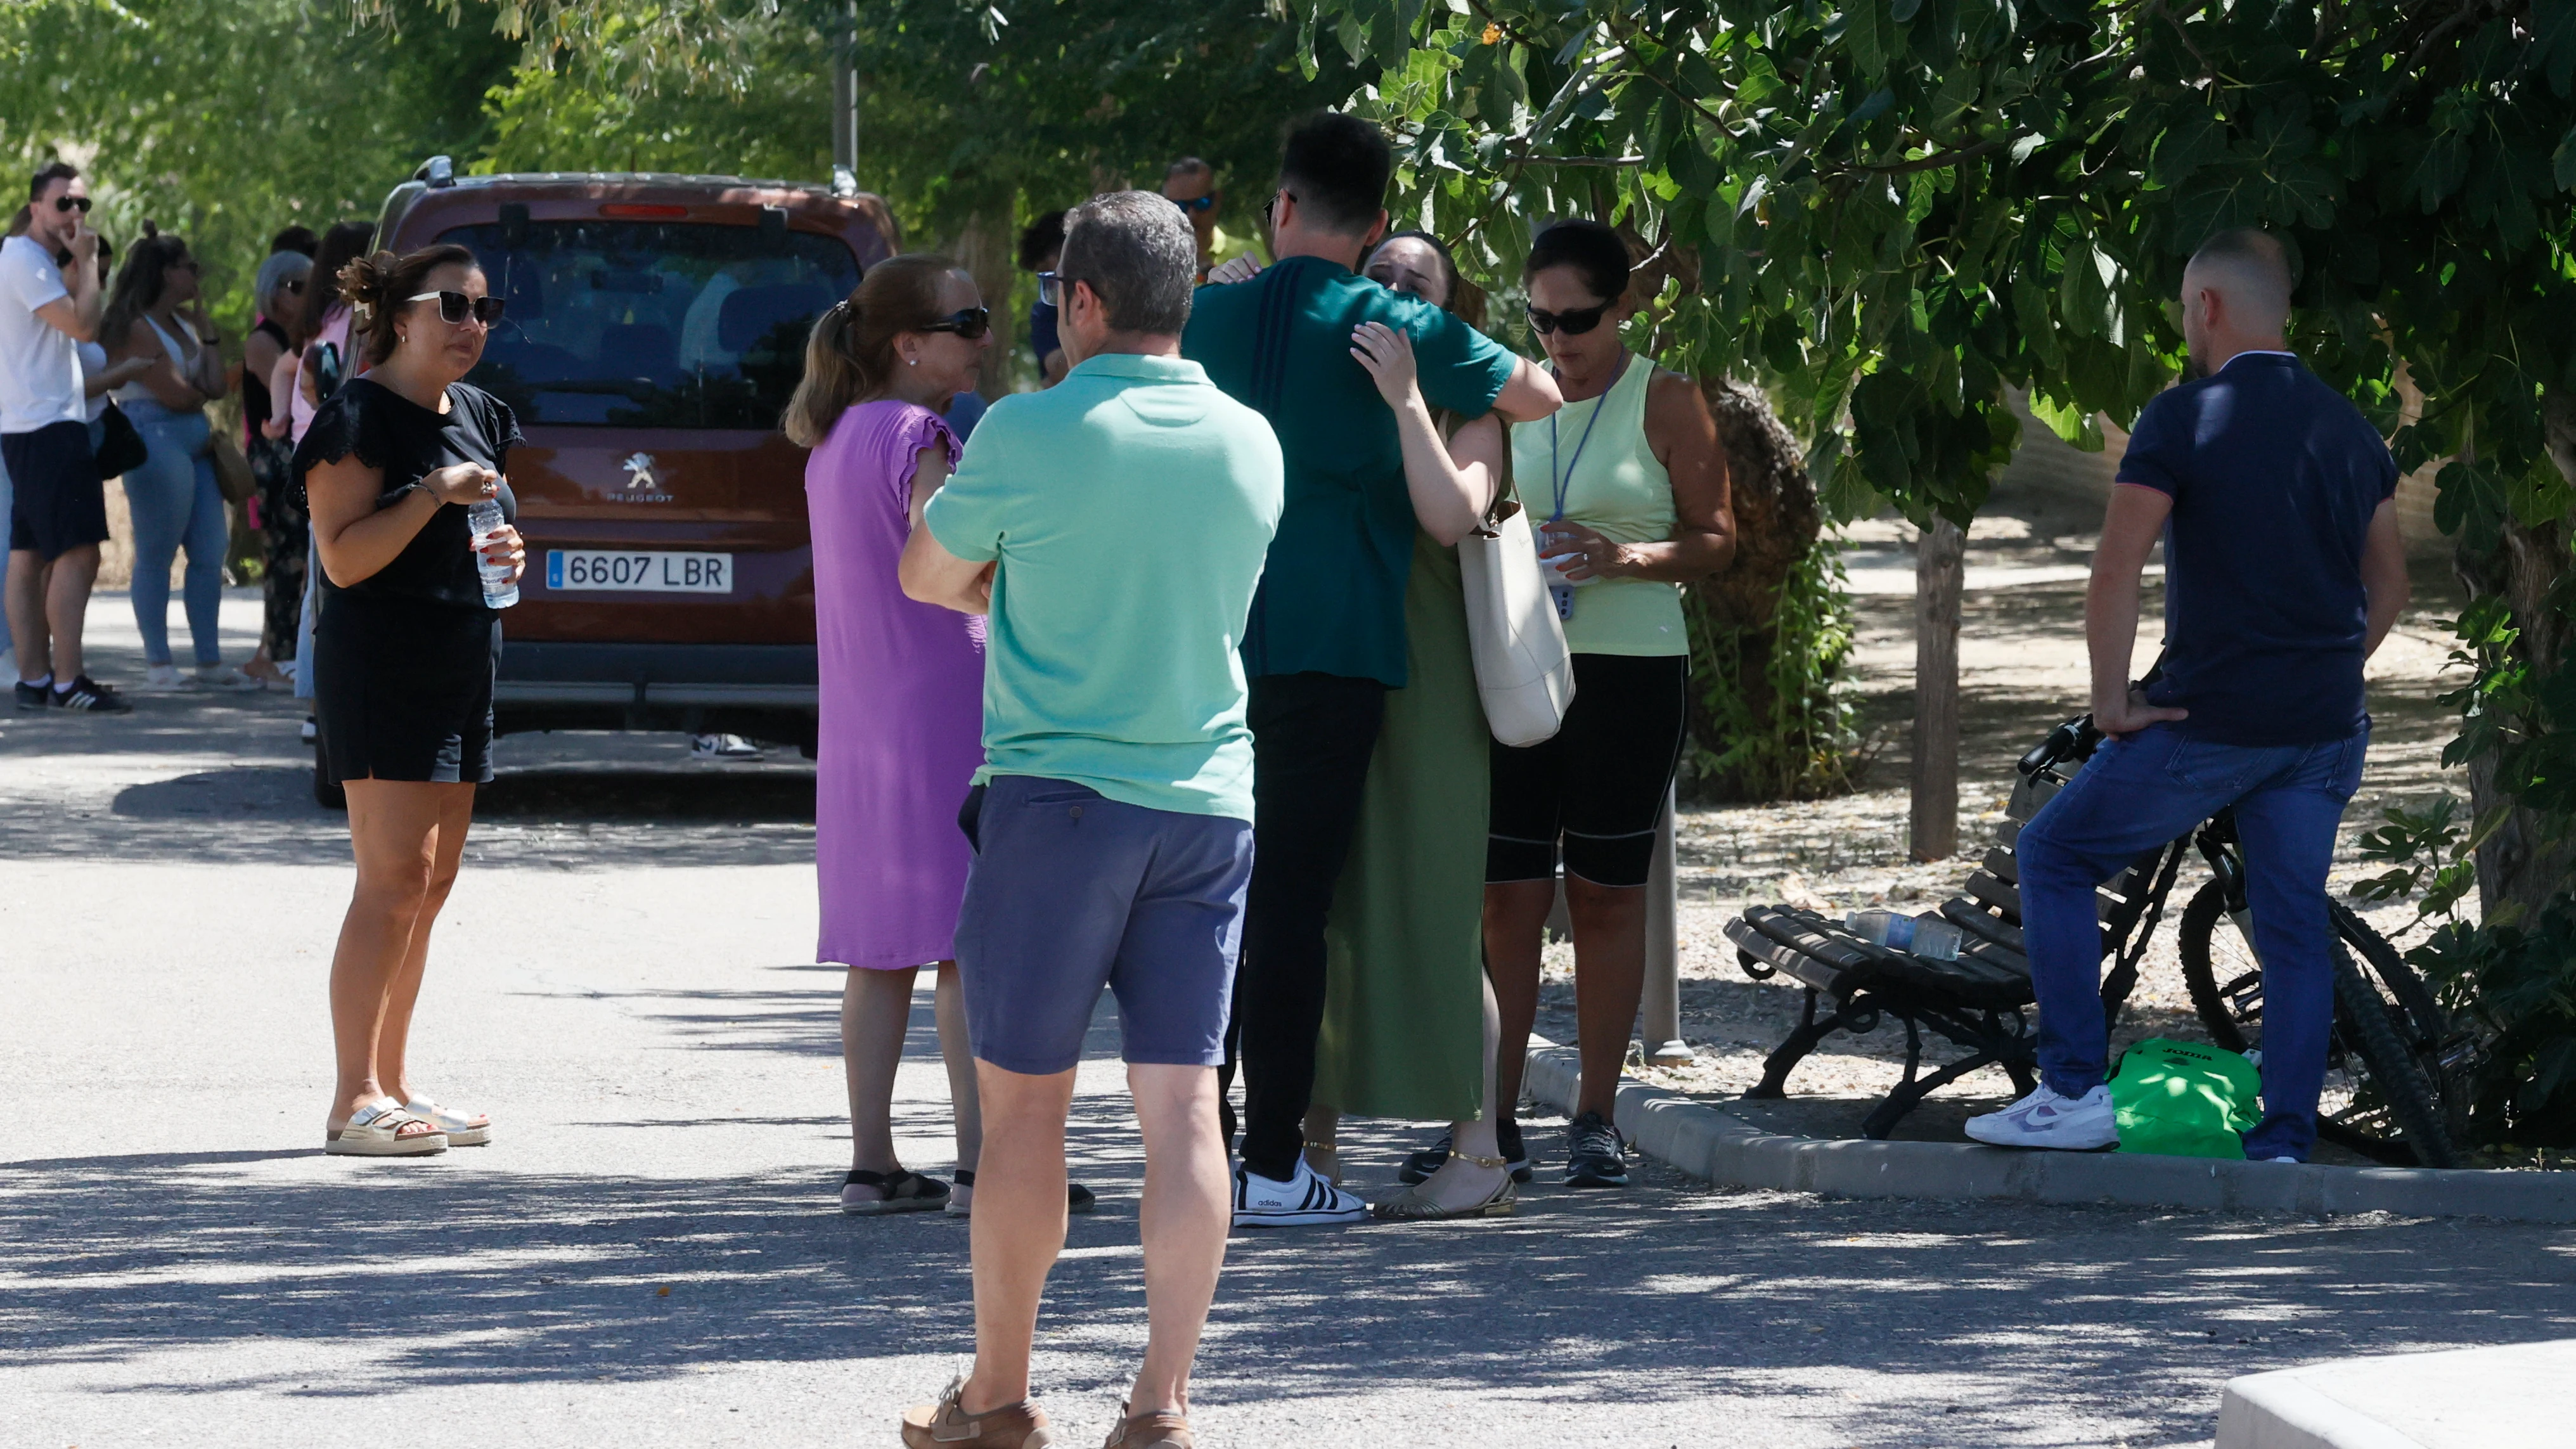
642 486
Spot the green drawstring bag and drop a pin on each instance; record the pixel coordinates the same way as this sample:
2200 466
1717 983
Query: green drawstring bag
2184 1099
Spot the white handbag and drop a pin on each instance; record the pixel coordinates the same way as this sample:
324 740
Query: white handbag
1524 675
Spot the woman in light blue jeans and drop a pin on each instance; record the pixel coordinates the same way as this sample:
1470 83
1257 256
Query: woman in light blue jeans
176 505
155 313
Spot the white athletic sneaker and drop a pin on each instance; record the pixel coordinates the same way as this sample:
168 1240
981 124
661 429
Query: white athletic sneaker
1302 1201
159 677
723 747
2045 1119
224 677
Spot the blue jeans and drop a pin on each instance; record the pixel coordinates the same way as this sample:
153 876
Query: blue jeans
176 504
2138 793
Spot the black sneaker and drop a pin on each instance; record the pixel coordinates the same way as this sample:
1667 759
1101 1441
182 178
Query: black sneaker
1507 1135
88 694
1595 1154
35 696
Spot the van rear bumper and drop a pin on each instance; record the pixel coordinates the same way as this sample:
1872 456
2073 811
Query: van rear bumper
766 691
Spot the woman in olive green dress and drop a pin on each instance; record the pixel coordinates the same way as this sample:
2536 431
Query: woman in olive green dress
1409 1020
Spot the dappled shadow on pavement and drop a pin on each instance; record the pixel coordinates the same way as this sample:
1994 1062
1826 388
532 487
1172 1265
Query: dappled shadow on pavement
1663 1292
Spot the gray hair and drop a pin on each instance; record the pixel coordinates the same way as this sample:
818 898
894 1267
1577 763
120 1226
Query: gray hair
279 269
1139 255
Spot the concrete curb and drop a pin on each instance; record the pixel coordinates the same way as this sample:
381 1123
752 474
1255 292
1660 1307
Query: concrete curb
1711 1144
2277 1411
2472 1398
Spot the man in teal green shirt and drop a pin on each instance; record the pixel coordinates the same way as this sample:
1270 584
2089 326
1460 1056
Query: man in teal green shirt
1326 637
1112 819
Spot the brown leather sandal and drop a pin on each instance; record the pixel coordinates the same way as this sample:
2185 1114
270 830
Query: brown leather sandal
947 1425
1160 1429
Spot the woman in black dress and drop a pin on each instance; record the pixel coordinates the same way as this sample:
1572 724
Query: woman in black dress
406 648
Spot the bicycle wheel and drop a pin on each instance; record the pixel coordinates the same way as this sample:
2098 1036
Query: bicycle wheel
2226 1008
2425 1025
2398 1108
2391 1049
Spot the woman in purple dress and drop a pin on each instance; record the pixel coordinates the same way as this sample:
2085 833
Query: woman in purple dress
901 694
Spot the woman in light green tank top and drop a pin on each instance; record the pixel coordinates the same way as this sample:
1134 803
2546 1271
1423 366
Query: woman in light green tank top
1628 484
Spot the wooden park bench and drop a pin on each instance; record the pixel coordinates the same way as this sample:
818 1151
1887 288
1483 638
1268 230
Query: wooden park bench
1978 1002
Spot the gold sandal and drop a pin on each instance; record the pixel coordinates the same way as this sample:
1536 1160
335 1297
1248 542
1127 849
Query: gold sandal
1416 1205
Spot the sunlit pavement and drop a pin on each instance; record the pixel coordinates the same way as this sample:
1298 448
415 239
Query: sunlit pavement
650 1251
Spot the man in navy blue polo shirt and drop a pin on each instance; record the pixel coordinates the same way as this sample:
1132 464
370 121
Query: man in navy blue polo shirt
2283 571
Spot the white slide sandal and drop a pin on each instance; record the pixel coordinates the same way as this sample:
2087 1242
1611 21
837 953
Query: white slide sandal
381 1129
463 1129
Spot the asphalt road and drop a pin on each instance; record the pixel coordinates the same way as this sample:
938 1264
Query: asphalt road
650 1252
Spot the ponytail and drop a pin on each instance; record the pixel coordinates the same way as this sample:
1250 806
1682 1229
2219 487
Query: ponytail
849 356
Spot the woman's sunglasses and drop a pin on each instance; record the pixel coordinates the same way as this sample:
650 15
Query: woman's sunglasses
455 307
1189 204
970 324
72 203
294 286
1573 322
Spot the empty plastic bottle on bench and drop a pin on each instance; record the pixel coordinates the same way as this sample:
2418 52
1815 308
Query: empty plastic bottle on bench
1926 935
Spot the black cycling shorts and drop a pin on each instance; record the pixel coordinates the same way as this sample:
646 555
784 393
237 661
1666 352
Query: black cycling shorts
1600 783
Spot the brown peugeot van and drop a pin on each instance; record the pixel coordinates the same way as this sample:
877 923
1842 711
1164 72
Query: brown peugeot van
655 329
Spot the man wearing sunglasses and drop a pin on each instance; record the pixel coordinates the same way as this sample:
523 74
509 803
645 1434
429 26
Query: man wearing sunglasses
1326 639
1190 184
58 510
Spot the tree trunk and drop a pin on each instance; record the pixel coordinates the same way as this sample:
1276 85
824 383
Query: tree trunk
983 248
2518 867
1940 570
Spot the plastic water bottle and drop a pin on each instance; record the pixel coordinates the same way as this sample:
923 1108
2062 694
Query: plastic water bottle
500 591
1926 935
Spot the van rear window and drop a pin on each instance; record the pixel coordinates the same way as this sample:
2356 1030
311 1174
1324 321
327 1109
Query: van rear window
638 324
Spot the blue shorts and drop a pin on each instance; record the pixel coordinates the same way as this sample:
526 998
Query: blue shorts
1071 891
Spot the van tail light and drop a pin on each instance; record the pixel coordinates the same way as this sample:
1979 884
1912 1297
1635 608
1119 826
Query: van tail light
643 211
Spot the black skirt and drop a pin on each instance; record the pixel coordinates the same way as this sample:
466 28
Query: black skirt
403 689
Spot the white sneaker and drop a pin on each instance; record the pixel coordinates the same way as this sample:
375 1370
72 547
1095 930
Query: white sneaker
1302 1201
2045 1119
224 677
160 677
309 731
723 747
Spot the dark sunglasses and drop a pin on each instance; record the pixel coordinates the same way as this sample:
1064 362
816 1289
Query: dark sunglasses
72 203
294 286
970 324
1573 322
1270 208
1195 203
455 307
1054 287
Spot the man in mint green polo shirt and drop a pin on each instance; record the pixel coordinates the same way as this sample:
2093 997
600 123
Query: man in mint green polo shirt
1112 824
1326 638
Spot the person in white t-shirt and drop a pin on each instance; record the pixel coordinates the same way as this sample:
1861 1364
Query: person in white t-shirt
58 510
